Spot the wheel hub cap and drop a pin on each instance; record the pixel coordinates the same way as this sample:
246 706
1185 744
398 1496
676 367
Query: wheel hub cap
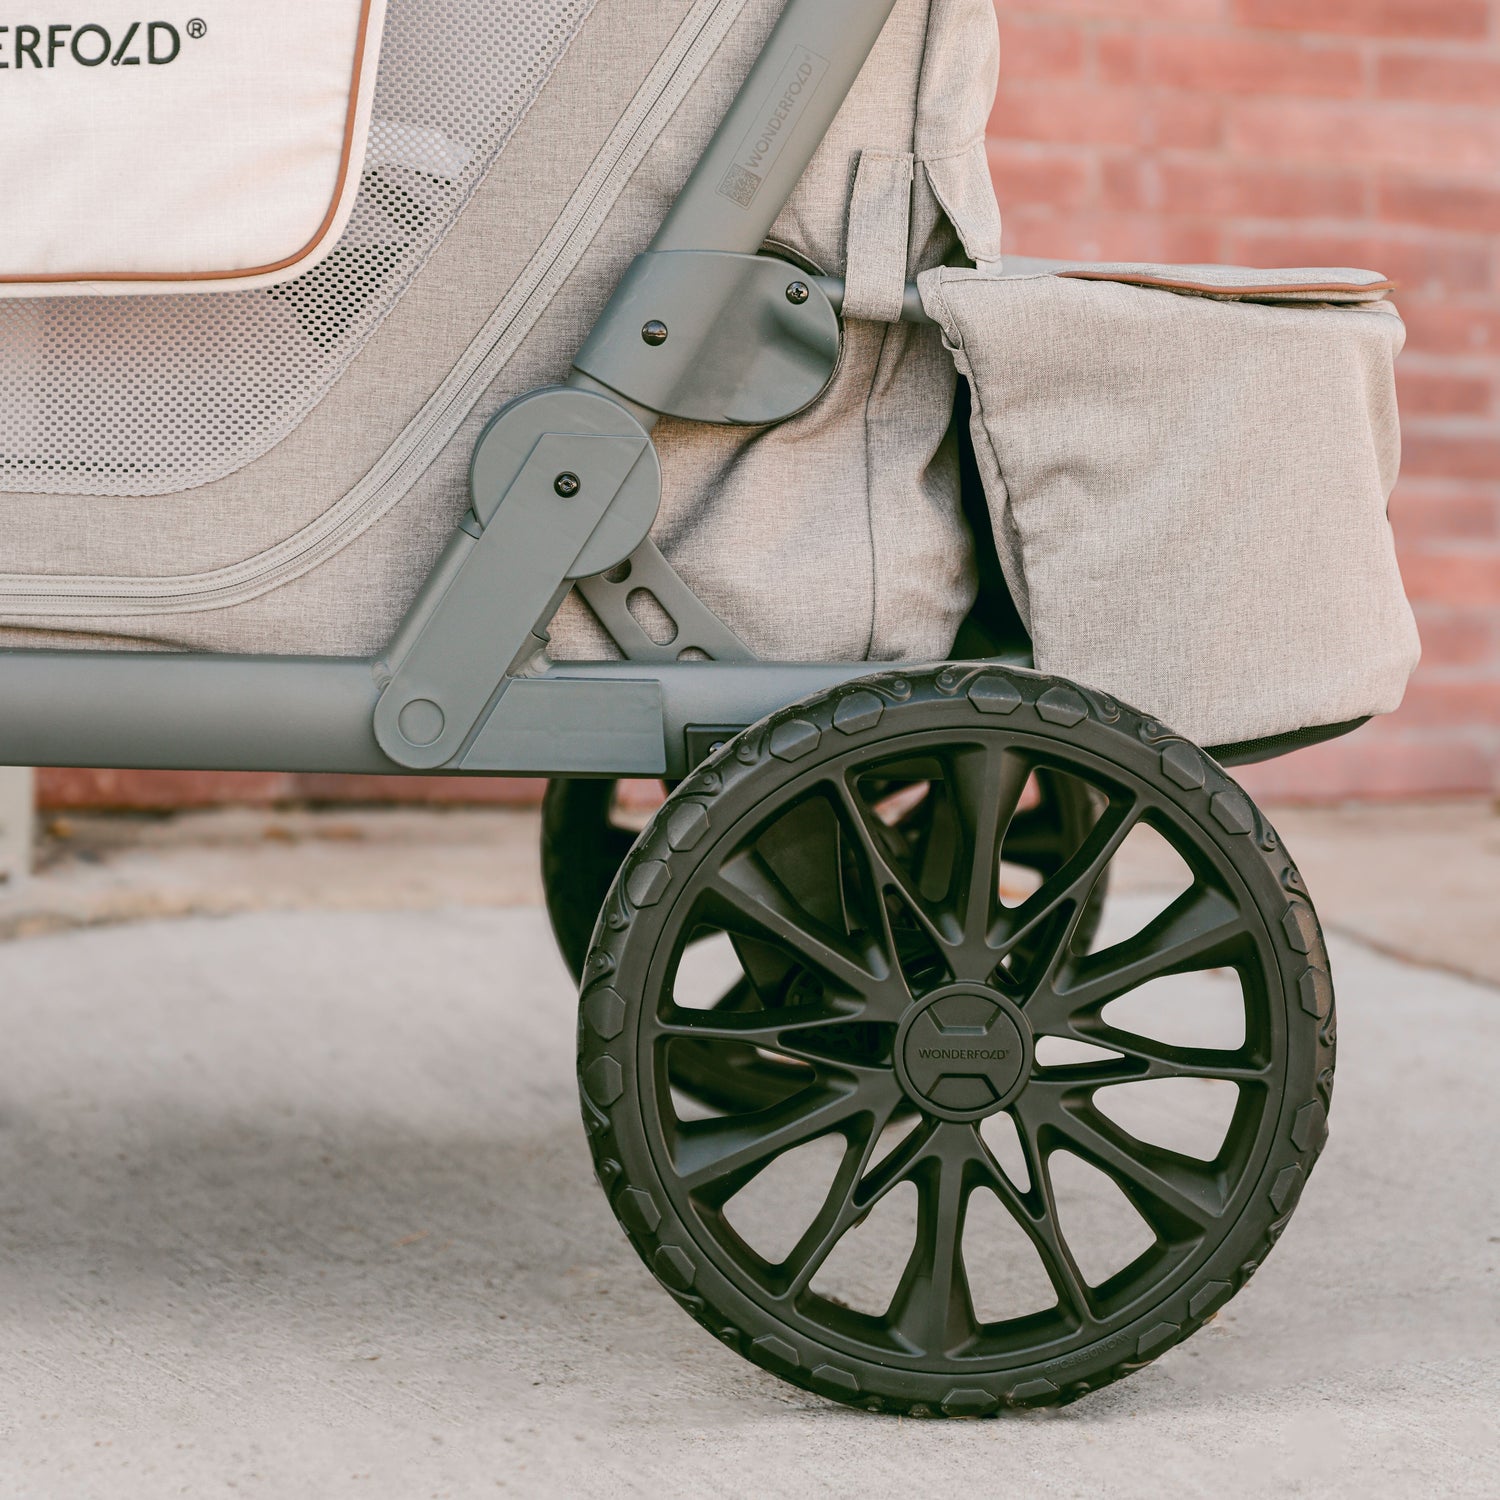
964 1053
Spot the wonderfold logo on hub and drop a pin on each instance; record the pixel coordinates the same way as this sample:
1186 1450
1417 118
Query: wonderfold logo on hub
63 44
963 1054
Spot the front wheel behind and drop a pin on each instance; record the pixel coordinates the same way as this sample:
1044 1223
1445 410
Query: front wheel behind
904 1225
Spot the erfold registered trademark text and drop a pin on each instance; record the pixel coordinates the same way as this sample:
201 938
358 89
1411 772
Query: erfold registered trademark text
243 159
156 43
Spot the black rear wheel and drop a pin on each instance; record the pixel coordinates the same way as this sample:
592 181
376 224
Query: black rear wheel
954 1048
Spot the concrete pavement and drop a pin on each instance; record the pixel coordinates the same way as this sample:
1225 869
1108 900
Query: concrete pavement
297 1204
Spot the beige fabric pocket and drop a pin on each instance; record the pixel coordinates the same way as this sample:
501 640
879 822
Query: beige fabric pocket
1189 485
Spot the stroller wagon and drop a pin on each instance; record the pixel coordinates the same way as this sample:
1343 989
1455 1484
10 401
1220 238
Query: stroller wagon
573 388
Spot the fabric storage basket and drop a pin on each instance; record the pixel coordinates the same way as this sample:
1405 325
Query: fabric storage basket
1188 470
160 155
276 470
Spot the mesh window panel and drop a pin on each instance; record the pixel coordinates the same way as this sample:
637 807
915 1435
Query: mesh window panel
151 395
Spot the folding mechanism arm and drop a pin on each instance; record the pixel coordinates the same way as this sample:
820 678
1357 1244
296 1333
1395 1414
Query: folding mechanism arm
566 482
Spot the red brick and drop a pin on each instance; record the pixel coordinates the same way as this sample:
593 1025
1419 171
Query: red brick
1034 51
1081 115
60 788
1467 638
1077 115
1460 579
1470 208
1439 329
1238 64
1459 20
1033 175
1130 183
1429 266
1435 702
1110 237
1442 394
1439 78
1417 137
68 789
1183 121
1118 56
1235 189
1451 455
1137 10
1437 511
1377 762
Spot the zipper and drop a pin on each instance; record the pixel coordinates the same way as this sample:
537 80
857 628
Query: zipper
444 412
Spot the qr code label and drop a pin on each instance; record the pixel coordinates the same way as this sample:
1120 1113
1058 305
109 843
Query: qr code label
740 185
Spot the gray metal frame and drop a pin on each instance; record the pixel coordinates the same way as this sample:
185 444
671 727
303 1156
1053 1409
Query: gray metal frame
467 671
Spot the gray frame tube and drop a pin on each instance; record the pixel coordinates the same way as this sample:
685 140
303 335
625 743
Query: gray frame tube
775 125
189 711
163 711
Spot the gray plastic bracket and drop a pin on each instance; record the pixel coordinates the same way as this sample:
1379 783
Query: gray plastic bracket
736 340
698 632
564 482
549 728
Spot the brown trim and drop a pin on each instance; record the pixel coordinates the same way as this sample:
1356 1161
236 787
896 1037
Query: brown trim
69 277
1262 289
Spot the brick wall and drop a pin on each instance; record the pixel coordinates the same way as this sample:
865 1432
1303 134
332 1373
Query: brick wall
1363 132
60 790
1306 132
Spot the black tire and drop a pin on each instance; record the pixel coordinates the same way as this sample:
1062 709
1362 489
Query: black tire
854 987
584 844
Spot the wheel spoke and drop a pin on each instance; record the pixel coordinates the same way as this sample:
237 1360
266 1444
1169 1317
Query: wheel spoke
805 1033
1178 1197
716 1158
1036 1213
776 1030
850 1200
754 904
1143 1059
873 839
932 1310
1052 913
988 785
1201 929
